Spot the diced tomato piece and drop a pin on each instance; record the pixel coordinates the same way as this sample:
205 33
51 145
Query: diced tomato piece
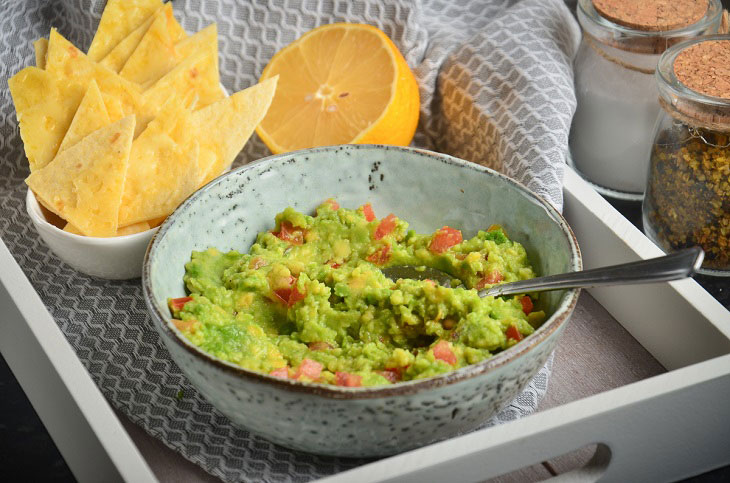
282 372
256 263
442 350
494 277
444 239
183 325
380 256
320 345
295 296
283 295
178 303
393 375
347 379
290 233
334 264
289 295
310 369
386 226
367 210
513 333
333 204
526 304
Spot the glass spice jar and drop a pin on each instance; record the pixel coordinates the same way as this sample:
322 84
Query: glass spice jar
687 200
614 84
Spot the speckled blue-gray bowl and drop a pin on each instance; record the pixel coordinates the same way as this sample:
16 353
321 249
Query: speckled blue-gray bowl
428 190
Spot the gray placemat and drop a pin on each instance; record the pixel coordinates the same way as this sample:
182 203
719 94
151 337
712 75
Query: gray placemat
496 88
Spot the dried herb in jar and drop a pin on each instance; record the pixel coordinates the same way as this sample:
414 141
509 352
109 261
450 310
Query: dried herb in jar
688 195
687 201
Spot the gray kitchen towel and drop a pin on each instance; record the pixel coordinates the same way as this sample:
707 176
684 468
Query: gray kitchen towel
496 88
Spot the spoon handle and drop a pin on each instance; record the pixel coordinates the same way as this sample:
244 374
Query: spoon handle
674 266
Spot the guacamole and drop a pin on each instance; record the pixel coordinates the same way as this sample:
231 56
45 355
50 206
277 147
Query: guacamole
310 302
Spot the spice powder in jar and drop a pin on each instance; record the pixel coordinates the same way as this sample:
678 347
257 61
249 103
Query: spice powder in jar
687 199
616 94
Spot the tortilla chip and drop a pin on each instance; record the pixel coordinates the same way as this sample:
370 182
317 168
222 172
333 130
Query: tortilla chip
90 116
45 108
223 128
156 221
163 168
84 183
119 19
50 216
72 229
68 63
155 55
113 107
41 49
125 230
205 40
194 81
116 58
134 228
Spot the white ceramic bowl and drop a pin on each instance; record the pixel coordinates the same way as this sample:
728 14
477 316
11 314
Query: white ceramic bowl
114 258
427 189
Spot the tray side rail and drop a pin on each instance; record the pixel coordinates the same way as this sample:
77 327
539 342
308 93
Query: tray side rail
668 319
78 418
645 432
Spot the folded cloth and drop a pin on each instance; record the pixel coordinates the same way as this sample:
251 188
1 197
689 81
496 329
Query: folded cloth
496 88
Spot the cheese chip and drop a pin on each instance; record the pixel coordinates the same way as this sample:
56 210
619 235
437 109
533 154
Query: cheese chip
90 116
68 63
163 168
119 19
40 47
194 81
155 55
45 107
117 57
83 184
223 128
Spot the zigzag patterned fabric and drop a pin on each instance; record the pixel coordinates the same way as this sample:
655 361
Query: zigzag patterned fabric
496 88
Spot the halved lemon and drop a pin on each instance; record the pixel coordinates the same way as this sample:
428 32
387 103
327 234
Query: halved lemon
341 83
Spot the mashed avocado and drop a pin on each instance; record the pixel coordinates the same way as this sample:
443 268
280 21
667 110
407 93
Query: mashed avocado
309 300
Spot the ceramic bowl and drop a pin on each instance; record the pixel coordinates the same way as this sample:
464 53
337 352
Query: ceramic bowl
428 190
115 258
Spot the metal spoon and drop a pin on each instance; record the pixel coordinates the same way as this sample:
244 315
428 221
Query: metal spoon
674 266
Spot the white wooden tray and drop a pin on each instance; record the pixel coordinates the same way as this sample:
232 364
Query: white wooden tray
666 427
